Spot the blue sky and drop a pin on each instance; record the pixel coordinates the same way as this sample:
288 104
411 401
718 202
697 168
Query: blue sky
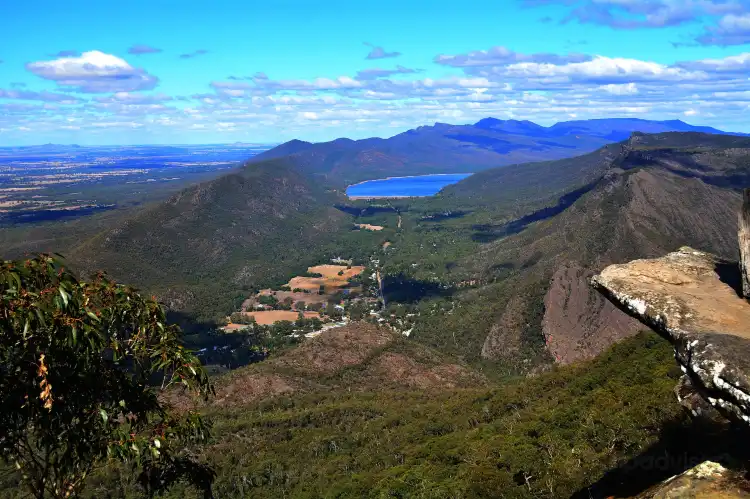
198 72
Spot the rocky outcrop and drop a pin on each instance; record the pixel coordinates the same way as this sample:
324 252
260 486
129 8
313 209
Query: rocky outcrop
693 299
708 480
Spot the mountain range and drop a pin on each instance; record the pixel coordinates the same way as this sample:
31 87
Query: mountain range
445 148
526 236
494 272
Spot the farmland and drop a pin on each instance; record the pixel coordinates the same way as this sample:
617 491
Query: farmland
328 278
268 317
315 295
52 182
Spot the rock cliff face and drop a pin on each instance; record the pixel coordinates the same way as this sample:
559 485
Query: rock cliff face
578 322
694 300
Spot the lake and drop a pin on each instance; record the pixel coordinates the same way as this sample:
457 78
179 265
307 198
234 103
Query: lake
420 185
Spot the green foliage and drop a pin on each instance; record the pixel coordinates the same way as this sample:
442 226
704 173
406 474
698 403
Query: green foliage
269 300
544 437
77 360
314 275
240 318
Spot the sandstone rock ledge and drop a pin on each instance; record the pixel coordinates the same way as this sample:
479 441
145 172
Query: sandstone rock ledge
708 480
692 299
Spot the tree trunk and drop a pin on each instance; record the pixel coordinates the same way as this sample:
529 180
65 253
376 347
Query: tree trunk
744 240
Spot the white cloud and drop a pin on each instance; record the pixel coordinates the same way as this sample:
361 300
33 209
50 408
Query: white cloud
601 69
94 72
620 89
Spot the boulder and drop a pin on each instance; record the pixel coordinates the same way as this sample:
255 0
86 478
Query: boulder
694 300
708 480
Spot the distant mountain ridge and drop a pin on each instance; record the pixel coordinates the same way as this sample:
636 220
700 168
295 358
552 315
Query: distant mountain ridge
446 148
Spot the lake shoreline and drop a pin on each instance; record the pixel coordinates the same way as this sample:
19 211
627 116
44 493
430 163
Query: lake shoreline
375 196
402 187
409 176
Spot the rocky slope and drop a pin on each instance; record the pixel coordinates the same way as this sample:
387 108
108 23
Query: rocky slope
359 356
639 199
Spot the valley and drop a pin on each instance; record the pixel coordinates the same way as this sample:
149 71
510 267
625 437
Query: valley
334 250
462 323
54 182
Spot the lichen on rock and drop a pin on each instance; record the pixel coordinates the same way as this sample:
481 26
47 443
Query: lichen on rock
708 480
693 299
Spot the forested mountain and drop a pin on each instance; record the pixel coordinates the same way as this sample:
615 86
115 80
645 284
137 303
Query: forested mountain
492 276
445 148
548 226
202 247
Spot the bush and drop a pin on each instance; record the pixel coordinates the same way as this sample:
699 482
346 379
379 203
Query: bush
77 362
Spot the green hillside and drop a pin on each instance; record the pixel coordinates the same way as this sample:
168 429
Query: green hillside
588 429
208 246
507 236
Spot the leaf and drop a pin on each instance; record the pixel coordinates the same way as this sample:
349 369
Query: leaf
18 281
40 317
105 417
63 295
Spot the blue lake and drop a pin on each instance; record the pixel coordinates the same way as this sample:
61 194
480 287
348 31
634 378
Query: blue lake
422 185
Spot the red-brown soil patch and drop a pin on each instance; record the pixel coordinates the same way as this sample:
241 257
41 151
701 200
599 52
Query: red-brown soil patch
332 271
336 349
268 317
331 280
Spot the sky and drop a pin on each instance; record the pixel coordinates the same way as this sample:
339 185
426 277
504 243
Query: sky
189 71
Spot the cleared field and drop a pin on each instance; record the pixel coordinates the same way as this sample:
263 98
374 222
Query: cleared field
268 317
332 271
331 280
369 227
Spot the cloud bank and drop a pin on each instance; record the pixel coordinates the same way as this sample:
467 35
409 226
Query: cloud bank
495 81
